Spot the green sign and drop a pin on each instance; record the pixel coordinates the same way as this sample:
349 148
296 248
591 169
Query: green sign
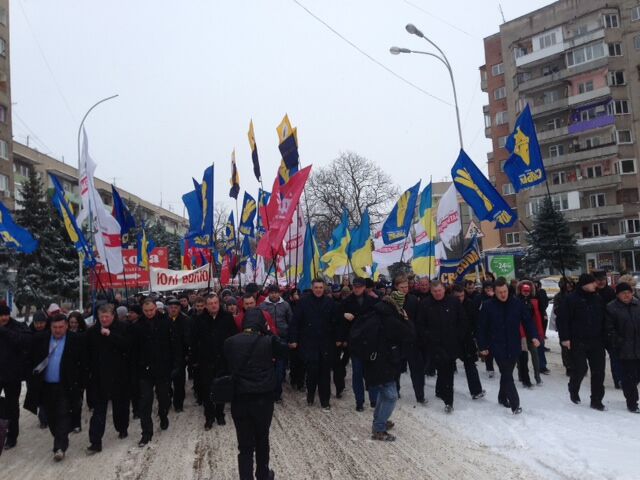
503 266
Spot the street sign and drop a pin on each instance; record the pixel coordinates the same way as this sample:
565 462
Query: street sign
473 230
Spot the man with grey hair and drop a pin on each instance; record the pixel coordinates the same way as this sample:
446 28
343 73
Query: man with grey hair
121 313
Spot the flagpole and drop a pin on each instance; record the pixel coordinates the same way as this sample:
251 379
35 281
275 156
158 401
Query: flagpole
212 240
274 255
237 240
80 265
429 232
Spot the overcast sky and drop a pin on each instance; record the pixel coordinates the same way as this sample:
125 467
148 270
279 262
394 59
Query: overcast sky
191 74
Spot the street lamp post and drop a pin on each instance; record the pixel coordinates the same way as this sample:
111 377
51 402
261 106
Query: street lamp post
80 283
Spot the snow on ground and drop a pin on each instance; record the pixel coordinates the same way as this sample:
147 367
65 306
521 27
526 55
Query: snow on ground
551 439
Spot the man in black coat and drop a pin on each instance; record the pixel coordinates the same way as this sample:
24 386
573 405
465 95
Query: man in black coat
608 295
15 339
444 322
487 293
316 331
57 361
623 327
581 328
108 348
157 358
250 356
353 307
181 333
211 329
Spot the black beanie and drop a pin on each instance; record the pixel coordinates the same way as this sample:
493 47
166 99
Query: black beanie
585 279
623 287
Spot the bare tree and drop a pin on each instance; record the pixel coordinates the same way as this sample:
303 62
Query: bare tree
350 181
220 217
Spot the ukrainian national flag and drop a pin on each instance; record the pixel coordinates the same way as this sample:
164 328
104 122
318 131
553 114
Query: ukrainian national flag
396 226
336 256
311 259
424 260
145 247
360 249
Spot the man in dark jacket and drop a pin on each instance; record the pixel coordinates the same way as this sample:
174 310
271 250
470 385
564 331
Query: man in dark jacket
180 331
623 327
250 357
315 330
57 361
108 349
211 329
353 307
158 358
487 293
499 335
382 370
608 295
581 328
444 322
14 346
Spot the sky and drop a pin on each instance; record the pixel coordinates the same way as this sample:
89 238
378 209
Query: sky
191 74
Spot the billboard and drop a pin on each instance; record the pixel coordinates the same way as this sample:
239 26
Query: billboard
136 277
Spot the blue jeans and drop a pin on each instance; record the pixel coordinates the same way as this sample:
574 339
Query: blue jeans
281 373
387 398
357 383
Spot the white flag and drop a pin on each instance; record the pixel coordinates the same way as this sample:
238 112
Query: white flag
385 255
448 217
106 228
294 243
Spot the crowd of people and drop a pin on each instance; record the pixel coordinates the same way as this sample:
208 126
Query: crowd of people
129 352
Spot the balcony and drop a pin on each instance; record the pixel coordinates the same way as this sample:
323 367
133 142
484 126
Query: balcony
483 84
562 160
587 96
549 107
546 81
539 55
584 38
487 132
585 184
550 134
598 122
590 214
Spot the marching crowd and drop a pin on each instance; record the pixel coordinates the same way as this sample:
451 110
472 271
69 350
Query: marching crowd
236 347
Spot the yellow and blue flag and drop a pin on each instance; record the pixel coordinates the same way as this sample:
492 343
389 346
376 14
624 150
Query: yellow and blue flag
230 232
398 223
360 249
14 236
254 152
193 202
336 255
424 260
263 200
145 247
524 167
248 215
310 259
453 270
480 194
71 226
245 251
206 196
121 213
235 177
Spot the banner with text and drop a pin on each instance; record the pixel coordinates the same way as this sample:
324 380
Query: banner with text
136 277
163 279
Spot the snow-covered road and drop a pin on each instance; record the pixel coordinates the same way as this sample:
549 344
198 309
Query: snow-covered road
551 439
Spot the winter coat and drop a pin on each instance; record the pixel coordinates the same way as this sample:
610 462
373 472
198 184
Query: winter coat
209 336
181 332
316 327
418 337
444 327
394 332
357 308
15 340
608 294
108 366
257 375
239 320
623 328
580 317
281 313
72 364
499 327
534 310
157 353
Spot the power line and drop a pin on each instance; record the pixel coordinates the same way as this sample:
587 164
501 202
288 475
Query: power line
455 27
46 62
357 48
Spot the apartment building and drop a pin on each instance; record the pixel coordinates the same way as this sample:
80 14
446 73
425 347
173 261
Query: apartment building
6 132
577 64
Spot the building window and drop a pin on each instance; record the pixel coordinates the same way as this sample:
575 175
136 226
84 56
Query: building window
519 52
550 97
507 189
630 225
585 87
20 169
3 47
624 136
592 142
635 13
599 229
615 49
512 238
548 40
626 166
502 162
499 93
502 117
618 107
616 78
4 150
627 195
502 141
594 171
560 202
553 124
487 120
636 42
585 54
556 150
597 200
558 178
3 114
497 69
4 183
611 20
3 16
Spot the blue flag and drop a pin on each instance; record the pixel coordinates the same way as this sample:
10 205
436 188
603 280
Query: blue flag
524 167
230 233
245 251
454 270
249 208
122 213
206 194
14 236
263 200
192 201
396 226
310 259
478 192
71 226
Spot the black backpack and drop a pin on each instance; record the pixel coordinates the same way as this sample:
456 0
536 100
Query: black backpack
364 337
